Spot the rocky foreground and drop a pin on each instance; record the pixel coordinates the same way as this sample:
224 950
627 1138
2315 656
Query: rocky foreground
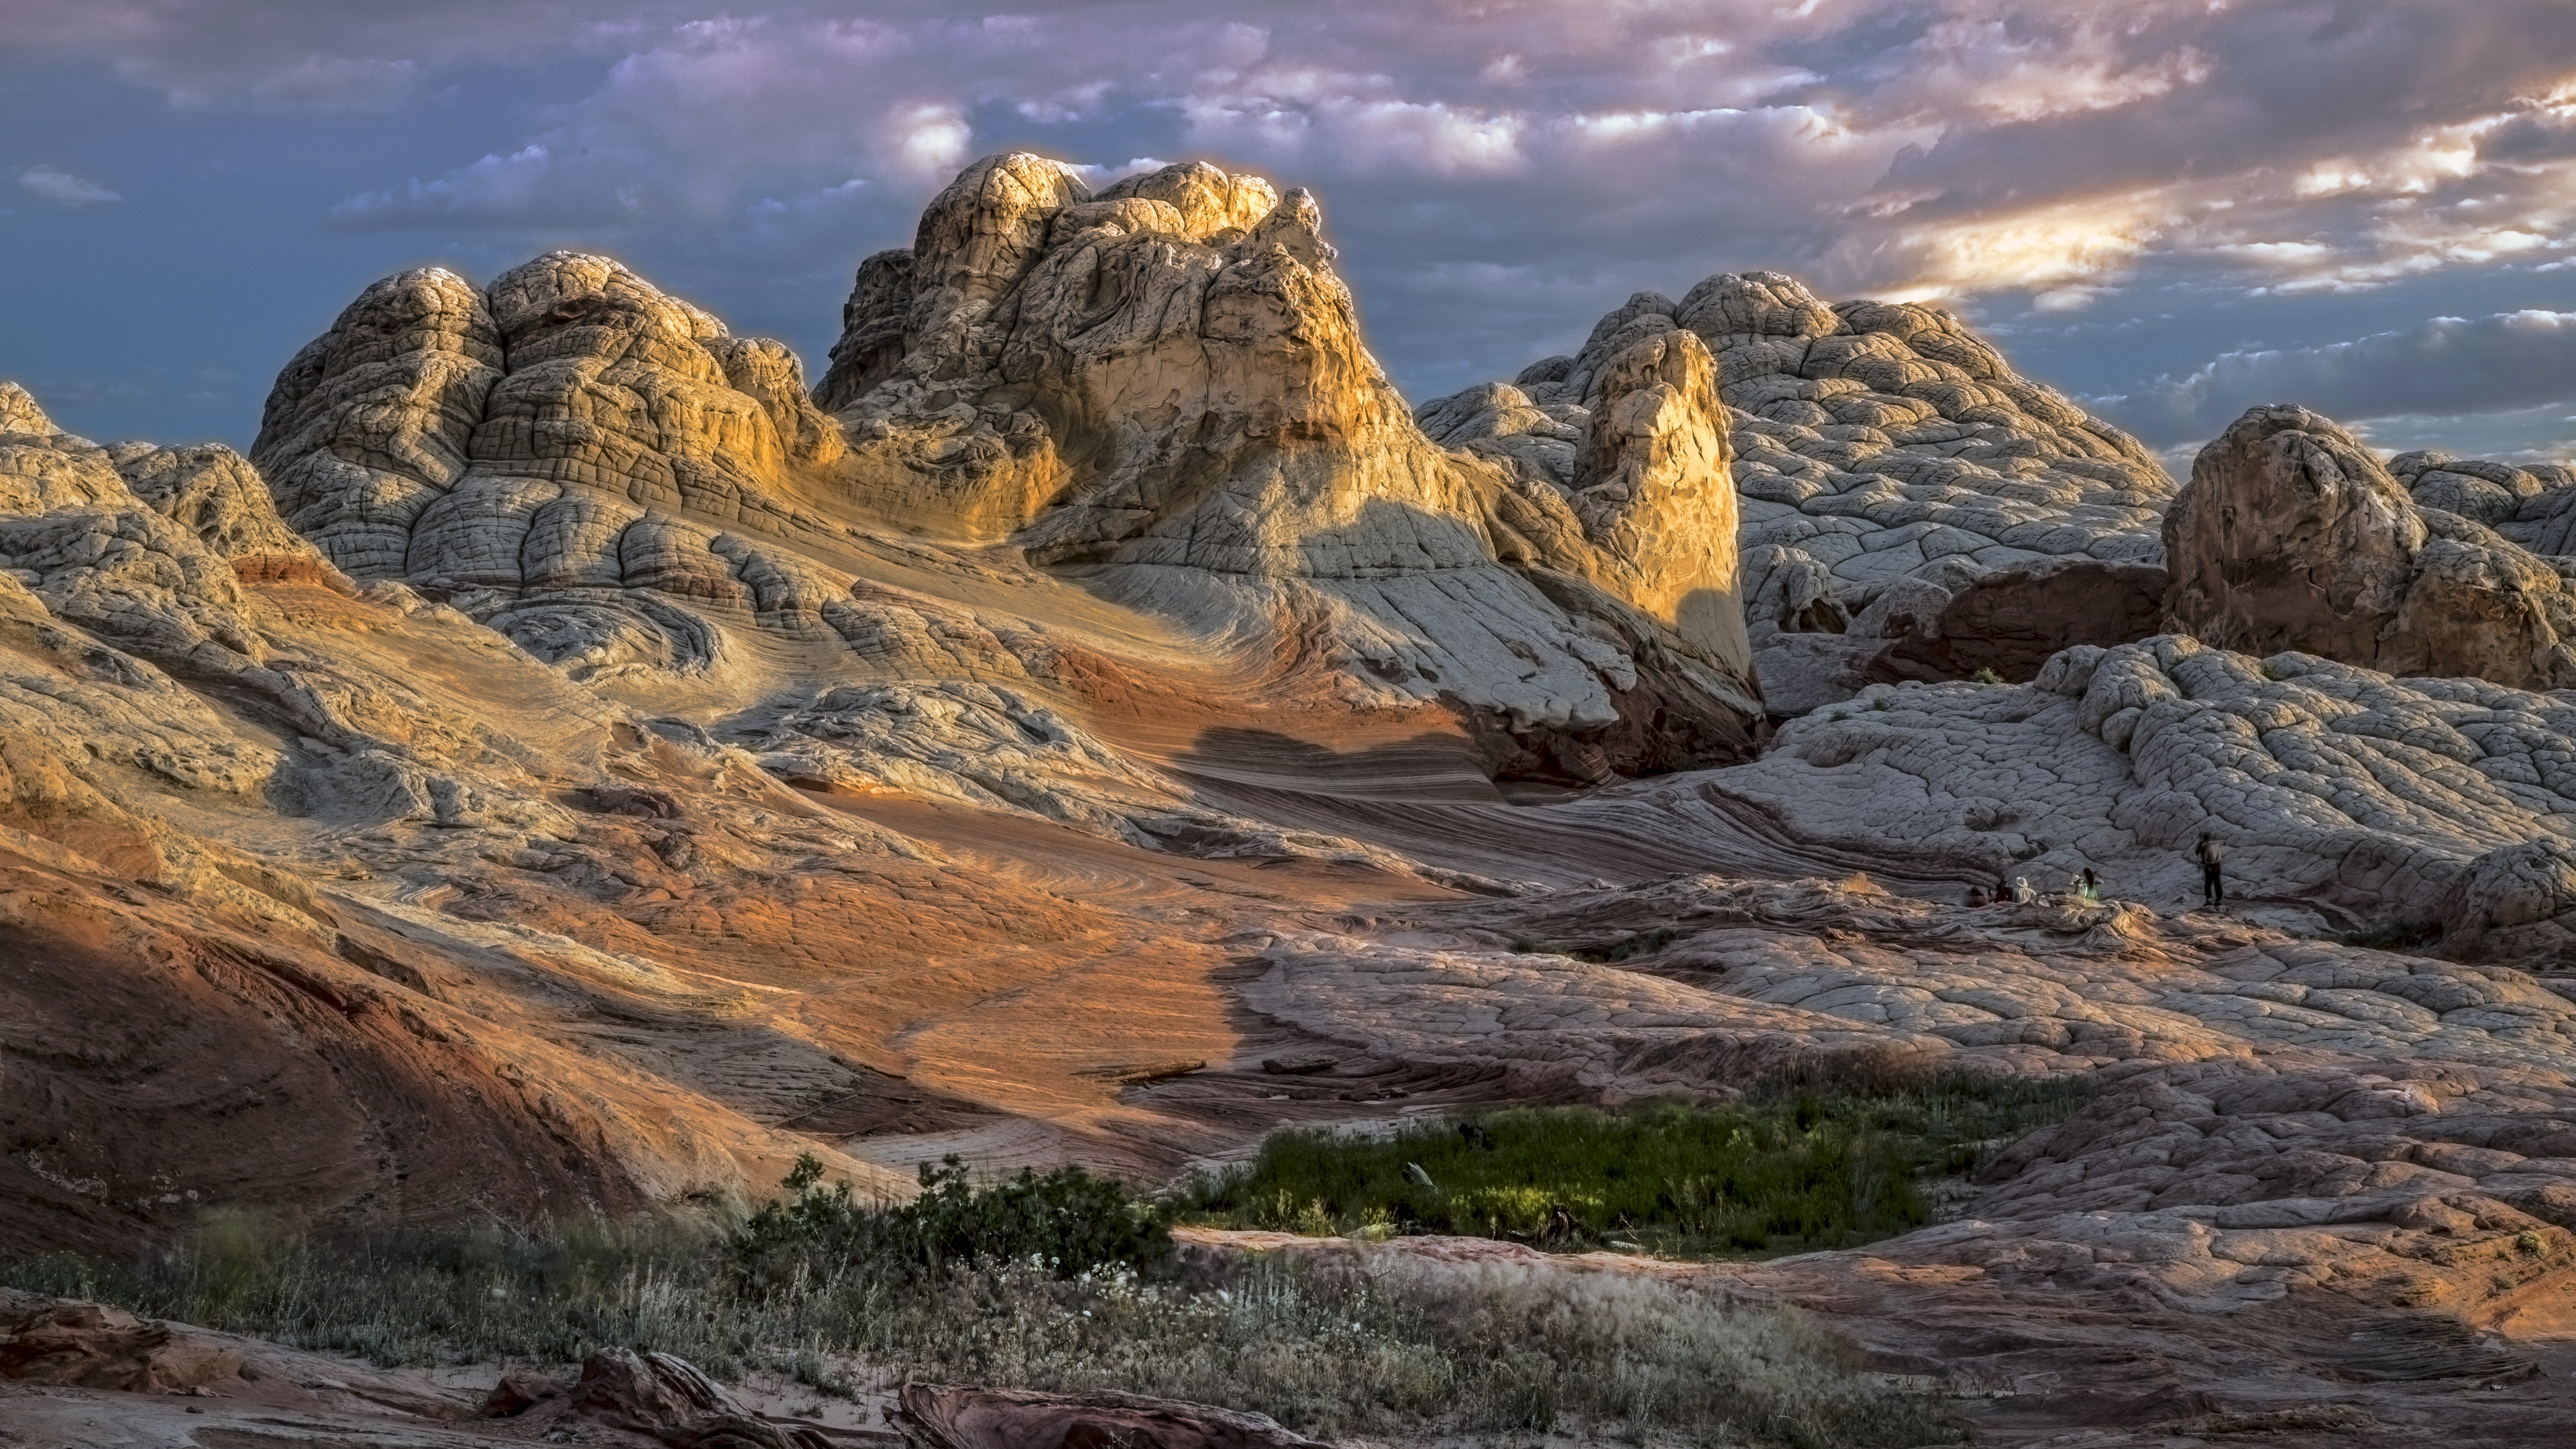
570 767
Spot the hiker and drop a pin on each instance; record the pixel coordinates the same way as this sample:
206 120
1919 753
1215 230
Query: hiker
2022 893
2003 890
1976 897
2213 892
2088 887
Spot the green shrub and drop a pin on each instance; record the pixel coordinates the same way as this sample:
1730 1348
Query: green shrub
1796 1165
1986 675
1069 1221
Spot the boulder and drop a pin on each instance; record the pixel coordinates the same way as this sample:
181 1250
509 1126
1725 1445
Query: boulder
92 1346
951 1416
656 1396
2292 536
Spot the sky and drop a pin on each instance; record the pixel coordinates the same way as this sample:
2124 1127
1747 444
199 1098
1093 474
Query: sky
2169 209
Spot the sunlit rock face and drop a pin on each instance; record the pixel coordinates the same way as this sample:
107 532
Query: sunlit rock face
2292 536
1163 386
1159 391
575 770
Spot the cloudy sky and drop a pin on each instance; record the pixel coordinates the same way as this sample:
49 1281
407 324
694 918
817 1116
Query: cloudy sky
2170 208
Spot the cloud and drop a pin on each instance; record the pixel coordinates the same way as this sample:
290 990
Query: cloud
57 187
1497 175
520 189
2447 366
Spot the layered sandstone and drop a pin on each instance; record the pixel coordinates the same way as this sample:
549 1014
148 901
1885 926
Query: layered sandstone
606 771
1158 395
1163 390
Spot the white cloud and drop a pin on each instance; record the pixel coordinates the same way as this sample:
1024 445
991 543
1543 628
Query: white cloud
56 187
931 138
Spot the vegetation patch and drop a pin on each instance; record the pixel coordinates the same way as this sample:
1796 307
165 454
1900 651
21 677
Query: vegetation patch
1066 1283
1794 1166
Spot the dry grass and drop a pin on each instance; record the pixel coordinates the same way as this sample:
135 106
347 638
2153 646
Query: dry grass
1333 1345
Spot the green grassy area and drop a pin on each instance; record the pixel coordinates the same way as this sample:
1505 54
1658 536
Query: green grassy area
1792 1167
1065 1282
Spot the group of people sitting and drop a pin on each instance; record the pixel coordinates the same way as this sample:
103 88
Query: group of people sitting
2084 889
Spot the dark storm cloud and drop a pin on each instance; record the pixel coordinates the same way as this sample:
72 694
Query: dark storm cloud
2449 365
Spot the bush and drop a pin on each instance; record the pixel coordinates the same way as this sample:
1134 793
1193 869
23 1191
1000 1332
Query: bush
1795 1166
1068 1220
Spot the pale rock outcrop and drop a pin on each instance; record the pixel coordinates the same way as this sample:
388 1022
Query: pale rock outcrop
1158 392
1164 388
2292 536
1876 447
571 496
2441 802
2527 503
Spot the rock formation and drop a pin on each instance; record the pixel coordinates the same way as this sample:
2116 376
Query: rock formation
1158 393
952 1416
2335 788
1883 452
568 768
2292 536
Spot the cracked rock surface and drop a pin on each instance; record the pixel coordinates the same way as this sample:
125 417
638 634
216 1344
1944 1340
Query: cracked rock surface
1886 456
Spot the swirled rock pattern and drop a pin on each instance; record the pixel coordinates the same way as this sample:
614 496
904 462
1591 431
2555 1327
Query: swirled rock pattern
570 769
1158 393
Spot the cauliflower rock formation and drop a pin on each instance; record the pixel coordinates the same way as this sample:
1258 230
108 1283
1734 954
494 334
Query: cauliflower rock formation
1888 458
1162 389
2292 536
1158 393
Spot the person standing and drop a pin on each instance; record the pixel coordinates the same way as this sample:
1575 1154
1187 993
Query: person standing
2213 890
2088 887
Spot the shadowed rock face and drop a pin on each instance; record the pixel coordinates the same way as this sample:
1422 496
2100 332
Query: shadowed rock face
2013 621
2292 536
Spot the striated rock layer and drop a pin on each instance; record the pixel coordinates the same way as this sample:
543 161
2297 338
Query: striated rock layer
570 768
